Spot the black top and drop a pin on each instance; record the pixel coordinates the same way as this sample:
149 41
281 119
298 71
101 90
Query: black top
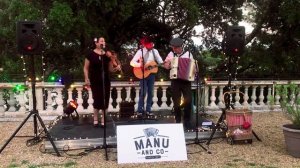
95 68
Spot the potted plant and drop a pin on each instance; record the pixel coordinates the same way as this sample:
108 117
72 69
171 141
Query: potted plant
290 104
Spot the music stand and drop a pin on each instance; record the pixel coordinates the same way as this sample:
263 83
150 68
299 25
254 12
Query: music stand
35 113
144 115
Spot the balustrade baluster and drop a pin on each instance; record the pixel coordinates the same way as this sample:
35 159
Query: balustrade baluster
59 101
90 101
261 96
119 98
213 97
277 98
70 91
155 99
246 97
11 102
2 103
21 100
79 99
237 98
49 107
110 106
164 98
253 97
128 91
221 99
269 95
136 99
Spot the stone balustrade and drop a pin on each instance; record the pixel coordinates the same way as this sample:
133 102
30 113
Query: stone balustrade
53 97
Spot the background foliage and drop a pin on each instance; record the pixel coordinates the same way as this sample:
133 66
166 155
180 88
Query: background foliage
70 26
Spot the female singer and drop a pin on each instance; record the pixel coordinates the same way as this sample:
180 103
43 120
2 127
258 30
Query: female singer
97 66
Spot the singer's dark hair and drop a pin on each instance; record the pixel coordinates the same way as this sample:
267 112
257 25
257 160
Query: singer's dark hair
99 38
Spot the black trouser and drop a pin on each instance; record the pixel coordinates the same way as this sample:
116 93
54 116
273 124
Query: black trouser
181 87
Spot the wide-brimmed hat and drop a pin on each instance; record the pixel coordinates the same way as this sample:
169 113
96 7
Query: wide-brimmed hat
147 42
176 42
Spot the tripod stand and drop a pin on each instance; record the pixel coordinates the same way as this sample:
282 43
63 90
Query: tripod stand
35 113
227 100
197 141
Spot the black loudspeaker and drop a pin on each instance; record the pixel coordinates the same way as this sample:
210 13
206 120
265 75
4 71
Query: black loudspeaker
235 40
29 37
126 109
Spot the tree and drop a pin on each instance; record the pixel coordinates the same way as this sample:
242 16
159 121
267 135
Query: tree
275 39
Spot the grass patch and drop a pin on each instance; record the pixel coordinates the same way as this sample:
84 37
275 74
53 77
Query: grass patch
231 164
251 164
238 160
70 164
12 165
26 162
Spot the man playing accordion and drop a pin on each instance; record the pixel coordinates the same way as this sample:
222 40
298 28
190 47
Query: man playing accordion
182 71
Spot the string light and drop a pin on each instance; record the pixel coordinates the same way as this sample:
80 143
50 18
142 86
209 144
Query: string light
24 67
27 78
232 75
43 68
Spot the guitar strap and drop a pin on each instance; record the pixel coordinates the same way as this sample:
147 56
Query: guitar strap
154 56
146 56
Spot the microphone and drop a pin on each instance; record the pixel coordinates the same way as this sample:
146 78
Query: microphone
101 46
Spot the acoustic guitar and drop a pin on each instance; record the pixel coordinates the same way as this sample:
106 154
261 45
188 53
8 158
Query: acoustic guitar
150 67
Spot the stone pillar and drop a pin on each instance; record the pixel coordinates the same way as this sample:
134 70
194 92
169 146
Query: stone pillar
155 99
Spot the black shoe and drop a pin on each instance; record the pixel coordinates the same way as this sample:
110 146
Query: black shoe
139 115
188 127
150 114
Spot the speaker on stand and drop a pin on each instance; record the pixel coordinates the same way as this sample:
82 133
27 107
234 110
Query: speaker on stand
29 37
29 43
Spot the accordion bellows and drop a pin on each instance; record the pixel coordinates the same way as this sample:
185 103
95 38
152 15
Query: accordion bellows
183 68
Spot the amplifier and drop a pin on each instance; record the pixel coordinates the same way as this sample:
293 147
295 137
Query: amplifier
126 109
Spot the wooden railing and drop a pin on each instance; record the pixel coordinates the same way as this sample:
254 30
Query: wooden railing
53 97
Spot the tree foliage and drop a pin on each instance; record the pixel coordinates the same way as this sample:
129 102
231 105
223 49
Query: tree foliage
69 27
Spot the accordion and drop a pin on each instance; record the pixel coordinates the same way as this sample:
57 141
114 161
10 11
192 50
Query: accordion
183 68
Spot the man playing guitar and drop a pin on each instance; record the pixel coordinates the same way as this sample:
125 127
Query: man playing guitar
145 63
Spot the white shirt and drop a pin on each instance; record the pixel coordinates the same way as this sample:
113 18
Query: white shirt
148 56
171 55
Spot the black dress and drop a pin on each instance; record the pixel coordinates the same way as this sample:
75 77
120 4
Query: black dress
95 76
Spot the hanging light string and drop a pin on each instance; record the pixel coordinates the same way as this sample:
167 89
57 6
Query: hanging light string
24 69
232 74
43 68
26 76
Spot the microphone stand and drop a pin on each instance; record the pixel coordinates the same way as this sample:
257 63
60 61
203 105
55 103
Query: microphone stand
197 141
104 110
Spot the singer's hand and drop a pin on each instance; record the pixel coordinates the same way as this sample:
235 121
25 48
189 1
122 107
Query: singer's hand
87 81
